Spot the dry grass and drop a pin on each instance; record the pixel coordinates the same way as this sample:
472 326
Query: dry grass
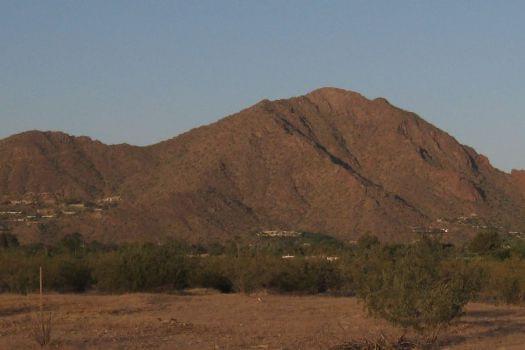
381 343
218 321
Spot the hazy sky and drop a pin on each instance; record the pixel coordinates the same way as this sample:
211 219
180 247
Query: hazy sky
143 71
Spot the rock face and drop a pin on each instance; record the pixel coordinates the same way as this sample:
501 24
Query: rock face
331 161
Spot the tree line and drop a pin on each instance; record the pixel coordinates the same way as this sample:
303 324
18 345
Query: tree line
496 265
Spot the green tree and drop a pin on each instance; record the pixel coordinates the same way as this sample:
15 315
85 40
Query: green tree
73 243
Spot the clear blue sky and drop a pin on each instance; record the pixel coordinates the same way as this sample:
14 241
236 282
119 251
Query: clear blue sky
143 71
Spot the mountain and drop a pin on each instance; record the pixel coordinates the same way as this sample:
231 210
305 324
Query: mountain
331 161
36 162
519 178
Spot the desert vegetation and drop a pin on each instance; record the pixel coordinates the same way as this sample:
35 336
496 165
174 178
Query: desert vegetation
420 287
308 264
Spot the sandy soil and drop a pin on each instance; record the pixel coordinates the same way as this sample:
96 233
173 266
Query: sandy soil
218 321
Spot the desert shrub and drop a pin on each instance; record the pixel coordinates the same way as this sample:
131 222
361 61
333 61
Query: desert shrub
8 240
292 276
517 248
215 249
34 248
484 243
105 269
211 273
304 276
413 289
367 241
67 274
318 244
19 272
137 268
510 291
305 244
502 253
504 282
250 274
73 243
347 274
218 281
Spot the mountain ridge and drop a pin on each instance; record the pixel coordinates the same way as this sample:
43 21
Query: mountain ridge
329 161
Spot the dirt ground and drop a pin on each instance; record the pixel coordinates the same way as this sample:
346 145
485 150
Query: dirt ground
204 320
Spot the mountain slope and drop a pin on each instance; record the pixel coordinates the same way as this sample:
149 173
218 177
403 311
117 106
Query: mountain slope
331 161
35 162
519 178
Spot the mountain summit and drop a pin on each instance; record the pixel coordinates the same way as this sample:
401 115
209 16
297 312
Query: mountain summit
331 161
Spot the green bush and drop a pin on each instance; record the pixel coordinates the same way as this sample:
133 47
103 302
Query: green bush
211 273
504 282
517 248
73 244
68 275
367 242
8 240
413 289
485 243
250 274
306 277
211 278
19 272
141 268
